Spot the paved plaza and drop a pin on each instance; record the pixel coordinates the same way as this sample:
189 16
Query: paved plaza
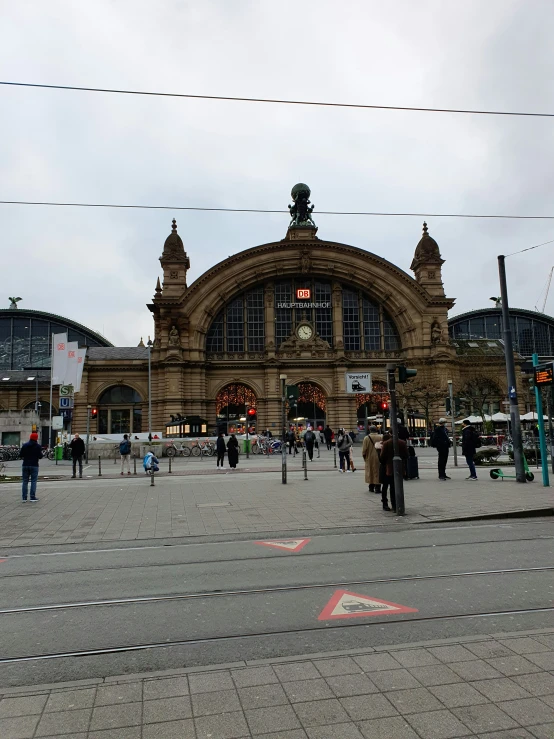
492 686
198 500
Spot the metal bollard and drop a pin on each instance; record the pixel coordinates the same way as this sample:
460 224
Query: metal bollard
170 465
152 479
318 454
335 456
99 467
305 464
134 465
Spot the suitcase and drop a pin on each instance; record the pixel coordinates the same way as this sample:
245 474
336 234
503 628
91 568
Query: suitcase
412 468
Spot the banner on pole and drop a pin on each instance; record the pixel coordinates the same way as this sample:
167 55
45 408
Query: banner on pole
71 367
81 354
59 358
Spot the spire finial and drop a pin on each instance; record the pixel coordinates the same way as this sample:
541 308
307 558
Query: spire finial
158 286
425 231
174 226
141 342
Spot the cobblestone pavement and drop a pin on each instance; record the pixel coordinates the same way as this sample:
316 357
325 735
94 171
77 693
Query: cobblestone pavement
498 686
237 502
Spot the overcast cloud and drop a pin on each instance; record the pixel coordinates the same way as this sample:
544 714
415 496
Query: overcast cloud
99 266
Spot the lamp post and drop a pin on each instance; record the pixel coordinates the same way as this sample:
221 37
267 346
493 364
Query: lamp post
452 417
283 380
246 408
150 344
89 408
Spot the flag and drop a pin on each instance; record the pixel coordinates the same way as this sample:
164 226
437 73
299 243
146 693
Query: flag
70 377
59 358
81 354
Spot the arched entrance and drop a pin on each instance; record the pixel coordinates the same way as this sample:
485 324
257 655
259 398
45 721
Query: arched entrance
230 408
370 404
311 407
119 411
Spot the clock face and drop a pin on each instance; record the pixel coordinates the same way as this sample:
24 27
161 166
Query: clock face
305 332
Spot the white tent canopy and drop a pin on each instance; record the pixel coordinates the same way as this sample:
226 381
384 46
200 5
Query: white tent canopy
475 419
500 417
532 416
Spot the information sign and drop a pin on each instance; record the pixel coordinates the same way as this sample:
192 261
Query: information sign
57 423
66 402
358 382
303 294
544 374
66 391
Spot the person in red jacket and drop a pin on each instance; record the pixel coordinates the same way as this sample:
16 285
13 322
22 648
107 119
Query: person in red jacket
30 453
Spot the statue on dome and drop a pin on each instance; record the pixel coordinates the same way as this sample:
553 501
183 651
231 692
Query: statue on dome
301 211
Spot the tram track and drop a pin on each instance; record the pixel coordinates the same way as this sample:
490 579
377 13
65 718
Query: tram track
261 591
266 634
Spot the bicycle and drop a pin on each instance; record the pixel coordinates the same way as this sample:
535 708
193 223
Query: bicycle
173 450
205 448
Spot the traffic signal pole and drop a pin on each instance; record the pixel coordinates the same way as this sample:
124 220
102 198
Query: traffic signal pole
397 466
540 422
511 374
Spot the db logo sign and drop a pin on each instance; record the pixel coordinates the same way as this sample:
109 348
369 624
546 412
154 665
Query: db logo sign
303 294
61 347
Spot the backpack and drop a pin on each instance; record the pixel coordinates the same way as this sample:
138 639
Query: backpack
309 437
125 447
432 439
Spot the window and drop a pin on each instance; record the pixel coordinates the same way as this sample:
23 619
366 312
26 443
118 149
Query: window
40 343
351 320
235 326
118 395
372 326
255 320
215 335
283 316
392 339
324 316
121 416
240 326
21 343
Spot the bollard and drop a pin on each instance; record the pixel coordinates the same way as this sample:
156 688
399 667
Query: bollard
335 456
134 465
305 464
318 454
99 467
152 478
170 465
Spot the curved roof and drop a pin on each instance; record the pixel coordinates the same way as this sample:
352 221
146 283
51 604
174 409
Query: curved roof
24 313
498 311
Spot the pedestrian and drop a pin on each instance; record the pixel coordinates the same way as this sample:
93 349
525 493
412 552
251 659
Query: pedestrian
30 453
233 451
344 442
77 446
150 463
403 432
470 443
441 441
220 448
370 453
328 434
125 452
309 441
387 469
352 436
291 441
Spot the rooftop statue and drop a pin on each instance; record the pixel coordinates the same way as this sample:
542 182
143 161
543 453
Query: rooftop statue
301 211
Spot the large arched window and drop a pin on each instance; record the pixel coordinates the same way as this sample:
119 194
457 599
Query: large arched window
240 326
120 411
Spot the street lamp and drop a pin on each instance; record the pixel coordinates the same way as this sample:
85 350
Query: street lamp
283 380
89 408
150 344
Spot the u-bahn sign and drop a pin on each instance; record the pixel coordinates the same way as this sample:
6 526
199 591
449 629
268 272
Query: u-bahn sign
358 382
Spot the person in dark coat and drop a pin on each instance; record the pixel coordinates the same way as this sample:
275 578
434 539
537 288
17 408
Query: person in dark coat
470 442
441 441
387 454
30 453
291 441
233 451
77 446
220 449
328 434
403 432
309 441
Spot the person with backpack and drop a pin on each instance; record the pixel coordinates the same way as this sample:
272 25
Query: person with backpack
344 442
125 451
291 441
77 446
309 441
150 463
441 441
470 443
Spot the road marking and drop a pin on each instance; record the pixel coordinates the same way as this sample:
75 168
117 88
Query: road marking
2 560
289 545
345 604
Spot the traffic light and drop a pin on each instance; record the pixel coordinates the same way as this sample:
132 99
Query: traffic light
405 374
94 412
384 407
251 412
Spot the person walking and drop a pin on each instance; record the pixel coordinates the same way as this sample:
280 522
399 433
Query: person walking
370 454
344 442
309 441
77 446
352 436
328 434
387 455
470 443
220 449
125 452
233 451
30 453
441 441
291 441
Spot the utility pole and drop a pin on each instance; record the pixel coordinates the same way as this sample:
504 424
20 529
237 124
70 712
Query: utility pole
397 467
246 407
511 374
453 418
88 428
283 379
150 344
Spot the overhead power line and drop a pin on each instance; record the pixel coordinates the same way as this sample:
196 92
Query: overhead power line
529 248
268 210
276 101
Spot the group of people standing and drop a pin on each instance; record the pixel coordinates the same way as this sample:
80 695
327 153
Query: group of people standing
378 453
232 449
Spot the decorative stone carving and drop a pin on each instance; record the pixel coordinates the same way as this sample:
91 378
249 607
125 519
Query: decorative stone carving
173 337
436 333
305 262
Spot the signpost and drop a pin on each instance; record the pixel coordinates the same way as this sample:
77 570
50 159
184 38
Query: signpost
544 374
543 378
358 382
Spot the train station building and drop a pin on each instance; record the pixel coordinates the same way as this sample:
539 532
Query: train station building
303 307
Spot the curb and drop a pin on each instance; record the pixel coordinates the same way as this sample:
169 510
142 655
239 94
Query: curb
520 513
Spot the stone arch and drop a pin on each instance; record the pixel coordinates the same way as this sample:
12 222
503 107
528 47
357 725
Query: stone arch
108 384
256 389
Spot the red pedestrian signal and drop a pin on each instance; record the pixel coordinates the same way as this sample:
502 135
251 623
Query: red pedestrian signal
94 412
384 406
251 411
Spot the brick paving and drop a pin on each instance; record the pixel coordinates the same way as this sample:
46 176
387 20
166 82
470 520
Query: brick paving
240 502
498 686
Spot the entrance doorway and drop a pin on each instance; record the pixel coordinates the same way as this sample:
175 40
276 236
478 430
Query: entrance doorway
230 408
311 407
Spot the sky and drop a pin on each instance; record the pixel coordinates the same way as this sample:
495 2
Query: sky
99 266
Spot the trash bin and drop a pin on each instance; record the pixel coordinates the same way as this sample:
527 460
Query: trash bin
58 452
246 446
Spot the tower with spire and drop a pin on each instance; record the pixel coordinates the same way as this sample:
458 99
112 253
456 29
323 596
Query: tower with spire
175 264
427 264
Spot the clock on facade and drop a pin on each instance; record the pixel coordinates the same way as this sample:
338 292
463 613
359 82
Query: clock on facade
304 332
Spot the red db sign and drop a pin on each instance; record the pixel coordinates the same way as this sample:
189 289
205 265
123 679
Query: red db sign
303 294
